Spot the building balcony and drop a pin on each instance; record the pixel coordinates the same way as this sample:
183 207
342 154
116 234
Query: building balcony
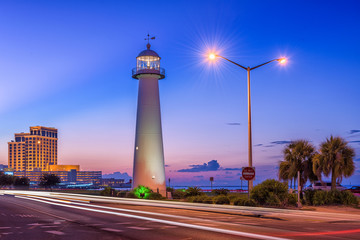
157 71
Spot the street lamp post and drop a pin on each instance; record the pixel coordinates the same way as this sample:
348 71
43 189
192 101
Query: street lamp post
248 69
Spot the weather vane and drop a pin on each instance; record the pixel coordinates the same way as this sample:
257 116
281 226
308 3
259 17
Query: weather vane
148 38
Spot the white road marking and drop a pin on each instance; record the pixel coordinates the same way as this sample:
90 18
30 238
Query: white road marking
112 230
219 230
36 224
166 227
55 232
139 228
5 227
206 224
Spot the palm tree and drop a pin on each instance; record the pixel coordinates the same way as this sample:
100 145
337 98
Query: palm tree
335 157
298 157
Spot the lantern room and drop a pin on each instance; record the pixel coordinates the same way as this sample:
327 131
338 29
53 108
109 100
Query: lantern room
148 62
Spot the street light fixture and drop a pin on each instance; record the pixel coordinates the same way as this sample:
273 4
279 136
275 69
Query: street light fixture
283 60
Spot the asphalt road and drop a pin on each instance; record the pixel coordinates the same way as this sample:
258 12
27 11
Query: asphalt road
41 215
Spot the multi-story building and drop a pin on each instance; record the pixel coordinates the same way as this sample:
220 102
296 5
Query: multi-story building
36 150
112 182
2 167
65 176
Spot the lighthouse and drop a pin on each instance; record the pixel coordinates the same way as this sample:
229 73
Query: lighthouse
149 167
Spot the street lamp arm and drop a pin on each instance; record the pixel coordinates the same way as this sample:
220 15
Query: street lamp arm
278 59
232 62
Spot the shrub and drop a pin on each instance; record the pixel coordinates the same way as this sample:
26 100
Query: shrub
106 191
222 199
170 189
250 203
320 198
121 194
292 199
198 199
221 191
309 197
269 192
334 197
208 200
130 194
239 202
155 196
273 200
193 191
191 199
233 197
348 198
142 191
179 194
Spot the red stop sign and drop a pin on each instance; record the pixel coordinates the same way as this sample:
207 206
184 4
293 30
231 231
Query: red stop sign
248 173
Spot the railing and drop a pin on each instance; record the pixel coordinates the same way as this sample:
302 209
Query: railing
137 71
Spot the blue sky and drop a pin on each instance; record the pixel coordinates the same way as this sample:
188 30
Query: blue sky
67 64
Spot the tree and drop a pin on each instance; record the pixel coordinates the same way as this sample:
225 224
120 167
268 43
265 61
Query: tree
6 180
298 157
22 182
335 158
49 180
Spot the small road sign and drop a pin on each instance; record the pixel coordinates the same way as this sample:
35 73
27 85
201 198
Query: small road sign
248 173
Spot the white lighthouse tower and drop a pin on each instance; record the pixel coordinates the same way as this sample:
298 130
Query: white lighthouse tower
149 167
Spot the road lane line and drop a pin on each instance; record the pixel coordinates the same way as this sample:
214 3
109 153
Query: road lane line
140 228
112 230
187 225
55 232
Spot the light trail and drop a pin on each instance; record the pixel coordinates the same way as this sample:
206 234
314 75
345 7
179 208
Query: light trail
324 233
149 213
187 225
198 206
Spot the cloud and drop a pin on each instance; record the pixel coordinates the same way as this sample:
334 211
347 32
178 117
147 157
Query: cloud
281 142
258 145
234 124
356 141
232 169
213 165
357 160
166 165
198 176
354 131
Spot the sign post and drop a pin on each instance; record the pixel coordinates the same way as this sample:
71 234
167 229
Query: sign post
248 173
241 180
